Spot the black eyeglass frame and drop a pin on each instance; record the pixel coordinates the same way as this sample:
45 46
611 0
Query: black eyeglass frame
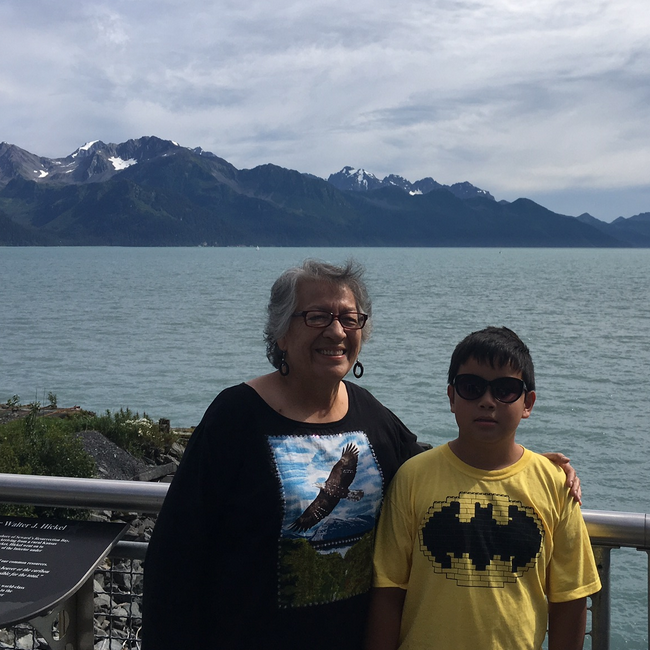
363 318
493 385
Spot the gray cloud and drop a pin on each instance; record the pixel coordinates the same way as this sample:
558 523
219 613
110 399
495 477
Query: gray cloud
546 99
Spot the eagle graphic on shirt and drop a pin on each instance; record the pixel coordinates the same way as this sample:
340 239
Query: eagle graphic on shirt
331 487
335 488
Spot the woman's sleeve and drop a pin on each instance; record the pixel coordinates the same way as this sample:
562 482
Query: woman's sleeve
407 444
180 557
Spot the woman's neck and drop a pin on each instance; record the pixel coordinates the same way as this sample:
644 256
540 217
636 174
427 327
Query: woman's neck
300 401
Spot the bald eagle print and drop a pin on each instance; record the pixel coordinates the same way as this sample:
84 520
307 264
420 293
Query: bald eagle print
335 488
331 488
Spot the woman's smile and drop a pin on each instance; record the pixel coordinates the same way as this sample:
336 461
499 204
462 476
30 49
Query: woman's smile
331 352
326 353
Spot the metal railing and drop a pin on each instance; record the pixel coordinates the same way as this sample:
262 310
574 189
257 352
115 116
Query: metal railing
607 530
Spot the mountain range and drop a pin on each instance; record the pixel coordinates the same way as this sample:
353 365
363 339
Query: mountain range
154 192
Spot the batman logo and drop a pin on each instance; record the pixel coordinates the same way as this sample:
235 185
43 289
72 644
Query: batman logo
481 540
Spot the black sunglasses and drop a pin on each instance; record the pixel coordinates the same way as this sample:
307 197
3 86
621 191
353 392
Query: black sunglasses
503 389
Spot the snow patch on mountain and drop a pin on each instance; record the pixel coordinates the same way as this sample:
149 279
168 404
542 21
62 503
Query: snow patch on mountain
85 147
120 163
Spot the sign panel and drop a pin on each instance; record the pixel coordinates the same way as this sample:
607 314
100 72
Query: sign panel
44 561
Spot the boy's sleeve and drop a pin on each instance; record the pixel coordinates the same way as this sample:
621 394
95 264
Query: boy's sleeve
394 538
572 573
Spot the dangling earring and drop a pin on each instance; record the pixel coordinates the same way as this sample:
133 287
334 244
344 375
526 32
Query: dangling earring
357 370
284 366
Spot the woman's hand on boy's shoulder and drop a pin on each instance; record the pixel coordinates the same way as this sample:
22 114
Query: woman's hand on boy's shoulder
572 478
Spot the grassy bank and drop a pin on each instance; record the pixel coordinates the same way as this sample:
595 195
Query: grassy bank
42 441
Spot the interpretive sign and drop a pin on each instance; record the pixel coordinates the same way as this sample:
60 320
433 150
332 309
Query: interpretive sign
44 561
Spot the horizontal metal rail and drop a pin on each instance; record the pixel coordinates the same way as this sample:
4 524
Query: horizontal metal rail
605 528
86 493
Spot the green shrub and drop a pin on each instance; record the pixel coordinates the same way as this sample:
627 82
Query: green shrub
48 447
13 402
42 446
37 445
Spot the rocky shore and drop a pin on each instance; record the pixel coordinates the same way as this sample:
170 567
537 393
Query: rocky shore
112 462
117 582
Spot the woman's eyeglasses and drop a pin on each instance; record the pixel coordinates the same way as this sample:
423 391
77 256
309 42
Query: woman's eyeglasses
352 320
503 389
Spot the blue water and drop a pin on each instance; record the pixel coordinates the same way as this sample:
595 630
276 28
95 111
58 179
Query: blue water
163 330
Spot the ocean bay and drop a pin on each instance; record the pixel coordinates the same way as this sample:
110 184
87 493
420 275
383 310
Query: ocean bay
163 330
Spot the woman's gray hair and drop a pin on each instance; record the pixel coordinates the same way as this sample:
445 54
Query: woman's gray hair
284 298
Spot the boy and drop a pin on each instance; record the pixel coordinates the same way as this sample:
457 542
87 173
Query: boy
479 544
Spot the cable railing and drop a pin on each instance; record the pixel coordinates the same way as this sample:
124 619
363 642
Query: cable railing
607 530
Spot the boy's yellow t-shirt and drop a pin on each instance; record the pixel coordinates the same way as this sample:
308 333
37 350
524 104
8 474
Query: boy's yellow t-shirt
480 551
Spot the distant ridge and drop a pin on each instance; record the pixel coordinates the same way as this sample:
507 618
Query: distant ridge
154 192
634 230
359 180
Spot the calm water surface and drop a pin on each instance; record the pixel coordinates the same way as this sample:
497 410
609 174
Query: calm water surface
164 330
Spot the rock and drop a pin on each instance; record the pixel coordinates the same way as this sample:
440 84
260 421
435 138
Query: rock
106 644
119 611
25 642
7 638
112 461
103 602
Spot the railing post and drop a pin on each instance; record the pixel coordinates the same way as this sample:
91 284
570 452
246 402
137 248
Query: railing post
648 592
69 626
600 602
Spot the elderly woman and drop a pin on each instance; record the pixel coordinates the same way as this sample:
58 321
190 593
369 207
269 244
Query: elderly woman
265 537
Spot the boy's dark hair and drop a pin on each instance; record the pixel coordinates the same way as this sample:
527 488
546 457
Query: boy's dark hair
497 346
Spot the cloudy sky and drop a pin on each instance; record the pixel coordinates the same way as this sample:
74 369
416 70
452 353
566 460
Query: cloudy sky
547 99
